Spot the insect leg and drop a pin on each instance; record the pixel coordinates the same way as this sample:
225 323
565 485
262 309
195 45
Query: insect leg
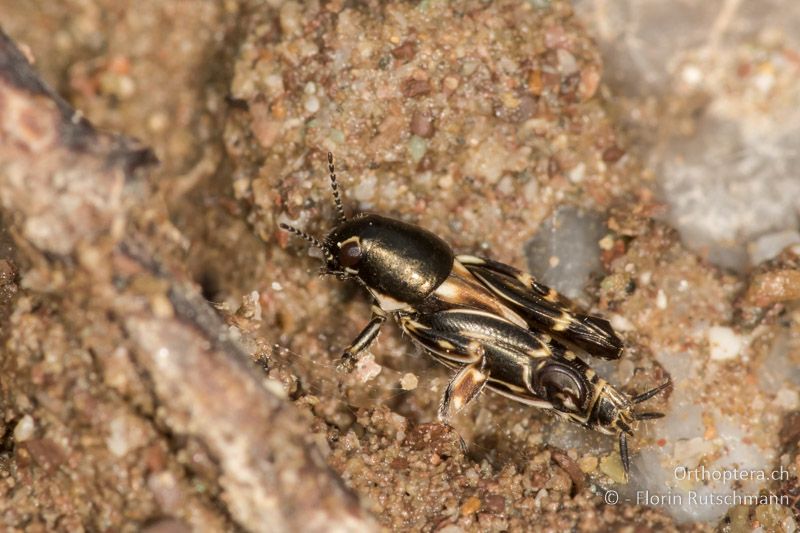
362 340
462 389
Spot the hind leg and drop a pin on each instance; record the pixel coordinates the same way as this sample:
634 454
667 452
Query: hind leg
465 386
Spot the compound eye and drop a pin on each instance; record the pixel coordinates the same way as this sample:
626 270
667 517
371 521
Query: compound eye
350 254
562 387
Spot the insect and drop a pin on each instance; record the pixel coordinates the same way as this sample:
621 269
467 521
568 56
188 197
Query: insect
496 326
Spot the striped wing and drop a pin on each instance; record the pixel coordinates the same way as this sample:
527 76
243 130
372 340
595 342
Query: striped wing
460 337
544 309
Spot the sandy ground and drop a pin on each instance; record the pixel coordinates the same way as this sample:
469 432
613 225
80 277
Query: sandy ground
487 123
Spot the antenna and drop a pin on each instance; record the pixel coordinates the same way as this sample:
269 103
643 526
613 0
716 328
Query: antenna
623 453
335 189
313 240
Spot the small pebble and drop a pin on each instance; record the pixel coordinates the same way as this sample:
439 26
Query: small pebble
787 399
336 136
495 504
165 490
470 506
620 323
422 125
157 122
540 496
505 185
126 433
661 299
692 75
367 369
606 243
412 88
724 343
365 190
611 465
291 18
535 84
126 87
409 381
577 174
566 62
7 271
764 81
405 52
274 84
772 287
445 182
312 104
770 517
450 84
588 463
275 387
417 146
161 306
24 429
612 154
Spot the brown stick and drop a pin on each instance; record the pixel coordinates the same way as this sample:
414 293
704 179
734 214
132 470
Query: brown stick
68 190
